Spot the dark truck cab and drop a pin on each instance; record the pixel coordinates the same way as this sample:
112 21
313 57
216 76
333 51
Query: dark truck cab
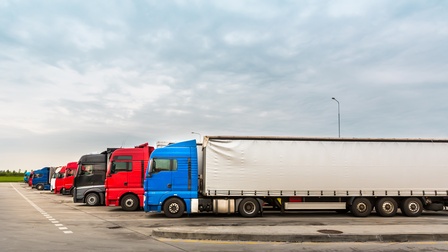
88 184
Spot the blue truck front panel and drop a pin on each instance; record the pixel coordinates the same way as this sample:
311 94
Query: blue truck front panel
178 179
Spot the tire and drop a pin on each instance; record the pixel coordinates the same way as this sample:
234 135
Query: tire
130 202
71 191
39 187
63 190
249 207
412 207
174 208
386 207
361 207
92 199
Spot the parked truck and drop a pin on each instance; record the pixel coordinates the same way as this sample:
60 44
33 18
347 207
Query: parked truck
26 176
59 183
125 176
68 178
42 178
245 174
88 184
30 179
54 177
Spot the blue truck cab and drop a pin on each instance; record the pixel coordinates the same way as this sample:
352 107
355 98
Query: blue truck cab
26 177
41 178
171 182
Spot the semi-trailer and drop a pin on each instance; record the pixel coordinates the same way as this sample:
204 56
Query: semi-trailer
242 174
125 176
88 184
42 178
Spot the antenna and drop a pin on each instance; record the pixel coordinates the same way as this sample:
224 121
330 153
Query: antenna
123 143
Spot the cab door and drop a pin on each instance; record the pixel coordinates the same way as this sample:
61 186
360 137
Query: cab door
118 176
161 173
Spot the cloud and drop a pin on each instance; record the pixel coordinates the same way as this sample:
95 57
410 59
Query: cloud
88 76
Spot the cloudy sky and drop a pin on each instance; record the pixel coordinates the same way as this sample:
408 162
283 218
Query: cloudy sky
77 77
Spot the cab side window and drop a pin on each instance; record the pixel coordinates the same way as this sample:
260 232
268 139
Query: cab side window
121 166
159 164
121 163
87 170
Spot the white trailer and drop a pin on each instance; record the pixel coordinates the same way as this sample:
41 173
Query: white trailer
345 174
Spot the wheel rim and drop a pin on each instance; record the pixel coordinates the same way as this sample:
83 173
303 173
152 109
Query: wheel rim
249 207
92 200
414 207
129 202
361 207
388 207
174 208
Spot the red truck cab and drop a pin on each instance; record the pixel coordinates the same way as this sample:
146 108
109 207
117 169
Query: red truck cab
125 176
69 176
59 183
30 179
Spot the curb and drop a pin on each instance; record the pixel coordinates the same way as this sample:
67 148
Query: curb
172 234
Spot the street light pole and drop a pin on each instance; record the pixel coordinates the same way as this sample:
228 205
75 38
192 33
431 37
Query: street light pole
339 117
200 137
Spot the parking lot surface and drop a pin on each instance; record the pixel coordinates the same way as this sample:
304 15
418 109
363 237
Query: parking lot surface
42 221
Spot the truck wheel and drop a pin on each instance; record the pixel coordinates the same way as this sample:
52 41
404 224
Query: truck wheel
412 207
361 207
386 207
39 187
129 202
249 207
63 191
173 208
92 199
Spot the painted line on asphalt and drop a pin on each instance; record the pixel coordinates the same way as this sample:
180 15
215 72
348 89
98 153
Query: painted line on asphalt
45 214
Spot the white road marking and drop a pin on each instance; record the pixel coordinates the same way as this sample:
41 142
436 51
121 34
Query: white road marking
45 214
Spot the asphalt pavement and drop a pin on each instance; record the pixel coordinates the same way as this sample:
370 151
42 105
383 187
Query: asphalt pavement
321 233
403 230
308 233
